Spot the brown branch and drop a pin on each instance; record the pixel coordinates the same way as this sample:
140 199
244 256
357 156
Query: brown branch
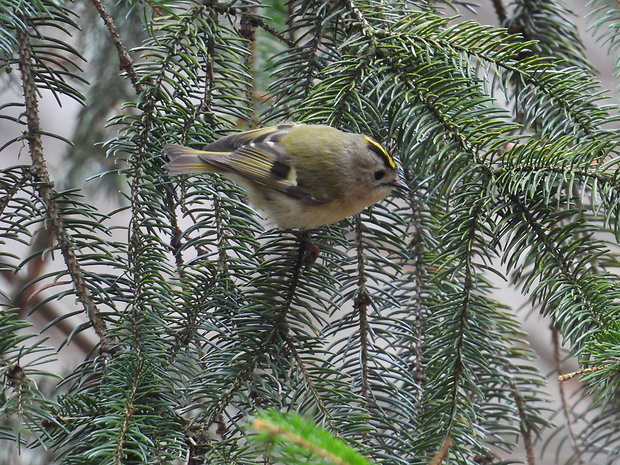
125 61
442 453
526 431
274 32
249 17
360 304
279 328
327 416
567 376
47 193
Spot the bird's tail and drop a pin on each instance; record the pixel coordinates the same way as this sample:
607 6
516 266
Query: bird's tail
184 160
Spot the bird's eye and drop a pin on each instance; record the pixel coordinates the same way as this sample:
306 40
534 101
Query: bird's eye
379 175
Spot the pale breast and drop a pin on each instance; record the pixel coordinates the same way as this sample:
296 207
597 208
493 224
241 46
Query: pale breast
289 213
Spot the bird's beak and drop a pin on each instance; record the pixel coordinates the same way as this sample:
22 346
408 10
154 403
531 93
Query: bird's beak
398 184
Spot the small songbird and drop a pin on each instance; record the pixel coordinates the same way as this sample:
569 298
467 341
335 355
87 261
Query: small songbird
302 176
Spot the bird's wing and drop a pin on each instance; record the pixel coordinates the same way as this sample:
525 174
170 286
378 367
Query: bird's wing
264 163
232 142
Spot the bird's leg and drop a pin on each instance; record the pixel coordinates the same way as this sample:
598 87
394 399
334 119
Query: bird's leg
311 252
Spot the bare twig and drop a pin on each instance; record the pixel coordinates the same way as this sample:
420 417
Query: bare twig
46 190
361 303
442 453
567 376
125 61
526 432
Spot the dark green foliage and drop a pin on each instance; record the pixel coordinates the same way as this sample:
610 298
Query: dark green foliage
391 341
25 411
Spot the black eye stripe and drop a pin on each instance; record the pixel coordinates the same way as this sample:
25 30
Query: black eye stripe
381 152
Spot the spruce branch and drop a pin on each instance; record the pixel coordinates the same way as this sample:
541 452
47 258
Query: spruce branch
549 25
524 427
416 260
323 408
466 306
125 61
605 19
44 307
367 29
46 191
564 265
249 18
213 317
360 305
541 75
277 327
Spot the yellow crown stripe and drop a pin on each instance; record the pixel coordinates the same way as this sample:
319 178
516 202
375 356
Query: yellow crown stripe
379 150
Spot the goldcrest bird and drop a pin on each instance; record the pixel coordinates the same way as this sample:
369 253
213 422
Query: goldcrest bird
302 176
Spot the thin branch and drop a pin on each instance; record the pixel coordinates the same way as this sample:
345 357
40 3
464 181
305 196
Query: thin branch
469 287
124 433
125 61
526 432
421 313
311 386
567 376
367 29
500 11
248 31
360 304
250 18
279 326
442 453
274 32
46 190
